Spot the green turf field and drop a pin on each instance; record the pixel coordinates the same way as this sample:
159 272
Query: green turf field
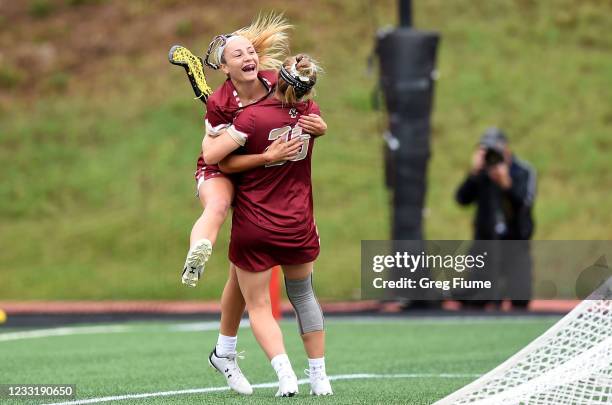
404 361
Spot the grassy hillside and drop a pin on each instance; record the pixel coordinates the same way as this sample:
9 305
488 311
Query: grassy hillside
99 134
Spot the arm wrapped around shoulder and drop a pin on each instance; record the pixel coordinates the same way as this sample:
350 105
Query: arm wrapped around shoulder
217 148
214 131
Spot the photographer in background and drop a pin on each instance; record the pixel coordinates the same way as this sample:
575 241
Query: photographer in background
503 188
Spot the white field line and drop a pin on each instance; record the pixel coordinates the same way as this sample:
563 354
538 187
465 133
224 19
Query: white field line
426 320
102 329
79 330
262 385
202 326
214 325
444 319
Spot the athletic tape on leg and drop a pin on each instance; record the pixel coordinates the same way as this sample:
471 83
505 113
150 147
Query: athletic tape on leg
307 308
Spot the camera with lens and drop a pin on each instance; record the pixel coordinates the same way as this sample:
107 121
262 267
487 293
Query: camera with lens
493 156
493 141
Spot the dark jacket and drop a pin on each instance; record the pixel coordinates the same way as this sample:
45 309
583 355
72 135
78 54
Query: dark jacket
501 214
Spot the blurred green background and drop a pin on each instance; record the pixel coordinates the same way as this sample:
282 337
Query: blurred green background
99 133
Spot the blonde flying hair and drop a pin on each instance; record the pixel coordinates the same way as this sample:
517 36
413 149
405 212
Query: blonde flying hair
268 34
303 71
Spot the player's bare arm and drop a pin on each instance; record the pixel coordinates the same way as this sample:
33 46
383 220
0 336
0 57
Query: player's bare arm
218 147
280 150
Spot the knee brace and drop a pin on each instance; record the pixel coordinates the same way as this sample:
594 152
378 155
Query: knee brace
307 308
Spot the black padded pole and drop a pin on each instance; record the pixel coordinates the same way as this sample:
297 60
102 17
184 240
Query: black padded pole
405 12
407 64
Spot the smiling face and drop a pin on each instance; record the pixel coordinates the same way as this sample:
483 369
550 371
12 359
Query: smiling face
240 61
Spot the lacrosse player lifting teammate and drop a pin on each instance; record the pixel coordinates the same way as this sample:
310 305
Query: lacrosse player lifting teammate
273 220
249 57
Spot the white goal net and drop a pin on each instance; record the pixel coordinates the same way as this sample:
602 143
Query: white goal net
571 363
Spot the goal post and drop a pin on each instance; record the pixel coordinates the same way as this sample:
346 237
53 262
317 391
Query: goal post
571 363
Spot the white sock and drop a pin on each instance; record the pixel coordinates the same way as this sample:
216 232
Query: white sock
317 365
226 345
281 363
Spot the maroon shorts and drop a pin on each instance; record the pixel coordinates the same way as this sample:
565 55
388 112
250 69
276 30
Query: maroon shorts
208 172
205 172
254 248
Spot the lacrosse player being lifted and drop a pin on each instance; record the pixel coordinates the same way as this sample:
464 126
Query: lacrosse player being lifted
250 58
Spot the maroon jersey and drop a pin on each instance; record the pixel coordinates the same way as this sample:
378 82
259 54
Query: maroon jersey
273 221
221 107
277 197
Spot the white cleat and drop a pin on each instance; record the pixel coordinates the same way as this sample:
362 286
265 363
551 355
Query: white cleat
319 383
228 366
196 261
287 384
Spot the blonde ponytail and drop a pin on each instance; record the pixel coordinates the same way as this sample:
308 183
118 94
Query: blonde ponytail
268 34
297 78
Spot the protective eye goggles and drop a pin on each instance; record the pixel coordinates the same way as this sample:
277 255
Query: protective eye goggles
215 49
